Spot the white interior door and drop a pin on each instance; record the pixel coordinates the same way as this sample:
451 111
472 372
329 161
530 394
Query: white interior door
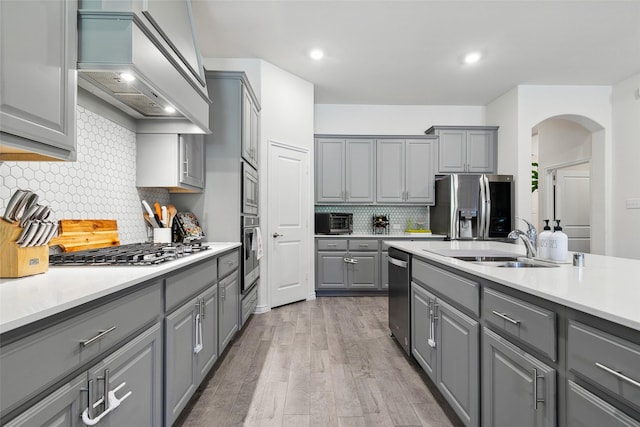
288 225
573 207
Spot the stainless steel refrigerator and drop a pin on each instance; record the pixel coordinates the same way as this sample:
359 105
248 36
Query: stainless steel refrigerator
474 207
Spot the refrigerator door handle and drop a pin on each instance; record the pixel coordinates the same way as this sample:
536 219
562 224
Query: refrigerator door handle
487 213
455 223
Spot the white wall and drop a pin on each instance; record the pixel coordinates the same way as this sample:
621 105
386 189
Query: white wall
626 174
392 119
527 106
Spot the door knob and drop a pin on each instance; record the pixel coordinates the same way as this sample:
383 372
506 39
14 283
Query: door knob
276 235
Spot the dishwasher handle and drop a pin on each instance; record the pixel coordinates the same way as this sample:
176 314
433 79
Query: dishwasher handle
398 262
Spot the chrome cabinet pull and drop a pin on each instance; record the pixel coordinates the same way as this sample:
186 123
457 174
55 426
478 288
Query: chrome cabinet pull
186 167
432 323
90 405
618 374
350 261
507 318
100 335
535 389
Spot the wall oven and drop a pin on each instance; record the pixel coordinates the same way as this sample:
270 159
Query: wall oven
249 190
250 247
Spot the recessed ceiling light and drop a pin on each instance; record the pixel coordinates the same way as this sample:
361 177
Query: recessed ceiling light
127 77
169 109
316 54
472 57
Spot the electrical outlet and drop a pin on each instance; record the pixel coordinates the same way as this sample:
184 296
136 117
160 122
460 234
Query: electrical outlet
632 203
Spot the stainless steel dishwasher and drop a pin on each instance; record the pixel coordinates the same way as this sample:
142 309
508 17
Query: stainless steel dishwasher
399 305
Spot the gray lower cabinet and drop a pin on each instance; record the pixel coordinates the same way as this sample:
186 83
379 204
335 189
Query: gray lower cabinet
445 342
584 409
384 270
190 350
349 265
38 79
130 380
228 309
516 386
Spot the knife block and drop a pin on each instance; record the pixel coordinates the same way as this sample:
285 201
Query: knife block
16 261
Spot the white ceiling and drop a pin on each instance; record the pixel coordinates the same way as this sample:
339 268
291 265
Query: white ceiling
409 52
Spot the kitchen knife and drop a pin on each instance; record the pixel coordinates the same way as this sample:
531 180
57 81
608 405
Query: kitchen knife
30 214
42 236
33 229
42 228
14 202
25 202
164 217
52 233
150 212
25 232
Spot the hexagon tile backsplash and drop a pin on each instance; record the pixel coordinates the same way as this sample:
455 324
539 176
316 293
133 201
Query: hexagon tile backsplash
100 184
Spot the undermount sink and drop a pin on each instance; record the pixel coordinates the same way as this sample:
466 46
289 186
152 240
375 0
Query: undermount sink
506 262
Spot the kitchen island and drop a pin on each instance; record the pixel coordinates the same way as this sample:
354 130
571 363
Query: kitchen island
81 341
551 346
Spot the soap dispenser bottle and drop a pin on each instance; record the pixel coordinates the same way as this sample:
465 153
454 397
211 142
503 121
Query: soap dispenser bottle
559 244
543 241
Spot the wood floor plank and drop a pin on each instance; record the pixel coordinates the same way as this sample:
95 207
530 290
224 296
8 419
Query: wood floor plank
329 362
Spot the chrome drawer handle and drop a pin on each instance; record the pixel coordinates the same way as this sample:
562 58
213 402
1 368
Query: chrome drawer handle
97 337
535 389
618 374
507 318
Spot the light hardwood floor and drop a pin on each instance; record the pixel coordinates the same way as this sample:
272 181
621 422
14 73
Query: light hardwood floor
327 362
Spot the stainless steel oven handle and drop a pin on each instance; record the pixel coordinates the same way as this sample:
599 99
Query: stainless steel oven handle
398 262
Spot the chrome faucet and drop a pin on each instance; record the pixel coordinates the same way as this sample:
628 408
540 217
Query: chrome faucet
529 238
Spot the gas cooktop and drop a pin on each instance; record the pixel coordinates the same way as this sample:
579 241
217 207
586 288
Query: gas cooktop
131 254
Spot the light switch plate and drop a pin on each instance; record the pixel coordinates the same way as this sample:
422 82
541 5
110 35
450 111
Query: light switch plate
632 203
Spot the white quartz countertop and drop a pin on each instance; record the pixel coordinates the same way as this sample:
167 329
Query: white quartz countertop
606 287
392 236
28 299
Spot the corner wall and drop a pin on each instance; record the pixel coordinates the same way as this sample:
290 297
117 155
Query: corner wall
626 174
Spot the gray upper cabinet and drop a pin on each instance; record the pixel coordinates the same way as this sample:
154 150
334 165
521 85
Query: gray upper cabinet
345 170
171 161
250 129
404 173
516 386
38 80
466 149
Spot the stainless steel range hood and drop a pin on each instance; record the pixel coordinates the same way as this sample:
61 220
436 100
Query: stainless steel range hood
127 59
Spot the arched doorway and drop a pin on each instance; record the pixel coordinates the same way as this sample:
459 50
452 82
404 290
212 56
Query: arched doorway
566 149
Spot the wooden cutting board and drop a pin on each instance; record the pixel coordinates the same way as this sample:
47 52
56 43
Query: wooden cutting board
80 234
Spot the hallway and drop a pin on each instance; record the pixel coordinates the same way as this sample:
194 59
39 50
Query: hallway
327 362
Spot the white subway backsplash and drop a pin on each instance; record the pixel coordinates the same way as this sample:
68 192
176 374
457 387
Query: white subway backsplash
100 184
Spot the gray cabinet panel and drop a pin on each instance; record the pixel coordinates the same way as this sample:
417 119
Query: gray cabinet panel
330 270
332 244
532 324
363 245
423 329
470 149
138 365
39 80
185 284
60 408
516 386
227 263
452 154
362 270
192 160
23 372
250 129
587 410
228 309
481 151
595 354
455 288
384 270
330 171
359 171
181 377
457 373
419 175
390 171
209 353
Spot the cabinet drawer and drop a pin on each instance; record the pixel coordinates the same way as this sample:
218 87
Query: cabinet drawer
186 283
249 304
227 263
363 245
37 361
585 409
609 361
530 323
332 244
455 288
